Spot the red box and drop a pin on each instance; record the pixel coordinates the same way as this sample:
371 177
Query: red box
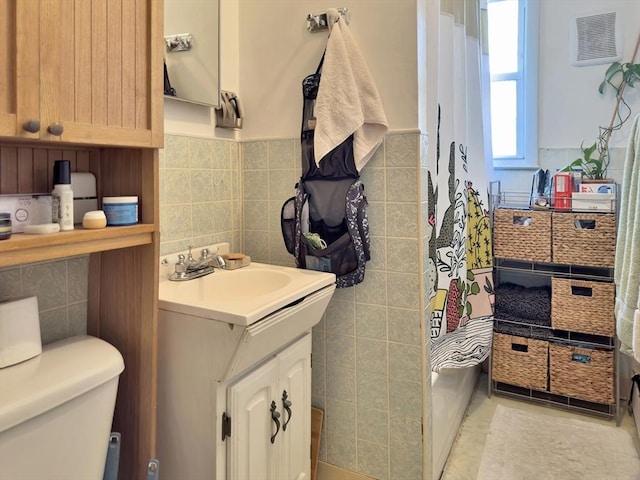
562 191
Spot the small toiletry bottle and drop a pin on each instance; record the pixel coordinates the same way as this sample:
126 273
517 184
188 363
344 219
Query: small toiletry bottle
5 225
62 196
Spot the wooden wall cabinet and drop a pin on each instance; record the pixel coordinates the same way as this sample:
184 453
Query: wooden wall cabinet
94 67
81 71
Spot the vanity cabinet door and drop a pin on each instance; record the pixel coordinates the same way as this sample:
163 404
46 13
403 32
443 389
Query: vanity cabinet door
295 385
250 453
271 432
82 71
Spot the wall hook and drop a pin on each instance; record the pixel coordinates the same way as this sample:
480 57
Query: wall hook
317 22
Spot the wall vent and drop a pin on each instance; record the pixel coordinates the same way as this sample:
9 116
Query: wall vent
596 39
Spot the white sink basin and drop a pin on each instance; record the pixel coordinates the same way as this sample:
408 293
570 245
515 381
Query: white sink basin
242 296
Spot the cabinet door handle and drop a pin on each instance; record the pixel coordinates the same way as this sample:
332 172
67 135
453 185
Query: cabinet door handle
31 126
274 416
55 129
286 405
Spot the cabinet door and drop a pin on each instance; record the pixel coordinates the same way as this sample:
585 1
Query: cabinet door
250 453
294 373
88 71
19 58
101 63
7 69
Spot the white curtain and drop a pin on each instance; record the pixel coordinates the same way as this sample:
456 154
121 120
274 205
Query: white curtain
460 245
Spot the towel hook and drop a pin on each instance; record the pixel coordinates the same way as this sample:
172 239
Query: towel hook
318 22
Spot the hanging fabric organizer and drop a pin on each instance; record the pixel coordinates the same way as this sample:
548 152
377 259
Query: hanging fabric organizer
325 225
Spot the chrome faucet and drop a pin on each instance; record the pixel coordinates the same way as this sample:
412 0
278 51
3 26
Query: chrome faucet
188 268
194 265
220 262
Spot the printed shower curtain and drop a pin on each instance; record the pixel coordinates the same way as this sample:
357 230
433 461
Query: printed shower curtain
460 246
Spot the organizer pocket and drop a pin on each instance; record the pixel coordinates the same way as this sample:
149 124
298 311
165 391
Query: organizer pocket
288 224
339 257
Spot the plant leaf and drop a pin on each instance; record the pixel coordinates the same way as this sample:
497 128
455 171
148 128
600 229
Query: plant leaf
602 87
614 68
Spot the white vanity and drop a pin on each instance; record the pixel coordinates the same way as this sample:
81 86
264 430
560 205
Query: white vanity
234 372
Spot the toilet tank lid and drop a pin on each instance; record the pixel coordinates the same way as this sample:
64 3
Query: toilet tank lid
64 370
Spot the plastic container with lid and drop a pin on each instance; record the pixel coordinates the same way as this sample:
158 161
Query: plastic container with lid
120 210
5 225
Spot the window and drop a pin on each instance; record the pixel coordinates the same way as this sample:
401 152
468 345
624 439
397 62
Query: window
513 68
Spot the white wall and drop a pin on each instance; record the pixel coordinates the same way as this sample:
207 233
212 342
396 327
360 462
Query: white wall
267 51
277 52
570 107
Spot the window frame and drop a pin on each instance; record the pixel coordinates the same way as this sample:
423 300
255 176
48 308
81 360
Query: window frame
526 89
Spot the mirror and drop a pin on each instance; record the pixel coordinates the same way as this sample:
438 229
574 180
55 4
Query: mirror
191 52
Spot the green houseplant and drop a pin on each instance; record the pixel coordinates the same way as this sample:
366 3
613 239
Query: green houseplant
595 158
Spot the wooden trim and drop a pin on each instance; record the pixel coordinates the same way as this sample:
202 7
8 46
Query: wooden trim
93 295
147 391
326 471
28 64
21 248
156 101
8 124
99 43
83 63
124 313
107 135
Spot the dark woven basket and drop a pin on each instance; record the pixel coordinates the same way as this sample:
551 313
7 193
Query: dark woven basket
583 306
520 361
522 234
583 373
584 238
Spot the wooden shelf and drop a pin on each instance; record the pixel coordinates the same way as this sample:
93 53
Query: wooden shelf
21 248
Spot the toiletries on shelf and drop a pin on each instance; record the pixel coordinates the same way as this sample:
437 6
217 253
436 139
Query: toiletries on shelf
562 189
120 210
62 195
5 225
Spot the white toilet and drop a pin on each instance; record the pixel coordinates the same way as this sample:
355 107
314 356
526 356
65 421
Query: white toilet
56 411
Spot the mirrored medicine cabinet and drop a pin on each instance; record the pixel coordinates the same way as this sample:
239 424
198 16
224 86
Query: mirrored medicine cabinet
191 51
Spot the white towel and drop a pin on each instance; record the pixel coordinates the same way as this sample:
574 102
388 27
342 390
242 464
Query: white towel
627 265
348 100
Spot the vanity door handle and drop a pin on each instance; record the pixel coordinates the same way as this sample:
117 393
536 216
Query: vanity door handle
274 416
286 405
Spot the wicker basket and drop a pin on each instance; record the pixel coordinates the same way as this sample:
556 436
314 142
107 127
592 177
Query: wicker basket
522 234
583 373
520 361
581 306
584 239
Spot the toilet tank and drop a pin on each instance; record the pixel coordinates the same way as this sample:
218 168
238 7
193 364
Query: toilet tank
56 411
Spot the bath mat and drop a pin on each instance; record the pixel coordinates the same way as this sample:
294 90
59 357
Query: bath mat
531 446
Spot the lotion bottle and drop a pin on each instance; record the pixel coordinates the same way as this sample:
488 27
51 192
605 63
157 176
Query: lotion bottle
62 196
